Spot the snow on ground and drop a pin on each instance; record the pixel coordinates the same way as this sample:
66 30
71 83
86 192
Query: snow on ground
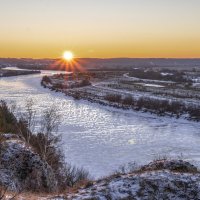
150 185
149 93
149 80
151 85
161 180
166 74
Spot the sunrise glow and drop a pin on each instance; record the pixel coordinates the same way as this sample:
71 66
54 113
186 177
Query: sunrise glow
68 56
105 29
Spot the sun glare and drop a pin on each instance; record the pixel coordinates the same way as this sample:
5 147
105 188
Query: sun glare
68 62
68 55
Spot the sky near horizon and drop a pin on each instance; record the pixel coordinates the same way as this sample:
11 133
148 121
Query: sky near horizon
100 28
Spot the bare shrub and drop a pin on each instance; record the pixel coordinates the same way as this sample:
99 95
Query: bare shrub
128 100
113 97
127 168
76 95
27 121
75 175
72 176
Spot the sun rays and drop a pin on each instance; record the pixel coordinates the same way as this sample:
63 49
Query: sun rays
68 62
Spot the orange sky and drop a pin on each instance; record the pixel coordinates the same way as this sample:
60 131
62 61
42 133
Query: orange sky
107 28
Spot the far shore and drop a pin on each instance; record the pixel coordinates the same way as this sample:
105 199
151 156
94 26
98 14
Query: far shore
9 73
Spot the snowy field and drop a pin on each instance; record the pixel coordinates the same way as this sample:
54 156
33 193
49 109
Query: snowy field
99 138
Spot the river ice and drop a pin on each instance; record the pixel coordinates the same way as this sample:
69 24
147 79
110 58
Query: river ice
100 138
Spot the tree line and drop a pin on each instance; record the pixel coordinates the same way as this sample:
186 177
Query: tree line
156 105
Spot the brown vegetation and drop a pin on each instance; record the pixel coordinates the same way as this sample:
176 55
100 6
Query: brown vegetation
45 143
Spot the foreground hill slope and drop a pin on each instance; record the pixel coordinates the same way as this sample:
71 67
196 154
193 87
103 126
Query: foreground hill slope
161 179
21 169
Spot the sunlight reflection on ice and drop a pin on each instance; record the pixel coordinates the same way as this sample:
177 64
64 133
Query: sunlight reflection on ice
131 141
102 138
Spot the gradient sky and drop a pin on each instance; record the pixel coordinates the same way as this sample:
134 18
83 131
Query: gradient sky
100 28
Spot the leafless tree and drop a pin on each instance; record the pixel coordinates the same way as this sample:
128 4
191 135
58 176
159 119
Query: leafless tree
49 124
30 115
27 121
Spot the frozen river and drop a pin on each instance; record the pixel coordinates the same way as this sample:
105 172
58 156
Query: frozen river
99 138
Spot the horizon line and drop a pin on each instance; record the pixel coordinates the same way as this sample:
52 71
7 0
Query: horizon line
102 58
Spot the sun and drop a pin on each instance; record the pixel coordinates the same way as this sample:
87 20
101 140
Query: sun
68 55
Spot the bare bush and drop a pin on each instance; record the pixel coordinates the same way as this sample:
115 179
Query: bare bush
127 168
28 121
128 100
113 98
72 175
